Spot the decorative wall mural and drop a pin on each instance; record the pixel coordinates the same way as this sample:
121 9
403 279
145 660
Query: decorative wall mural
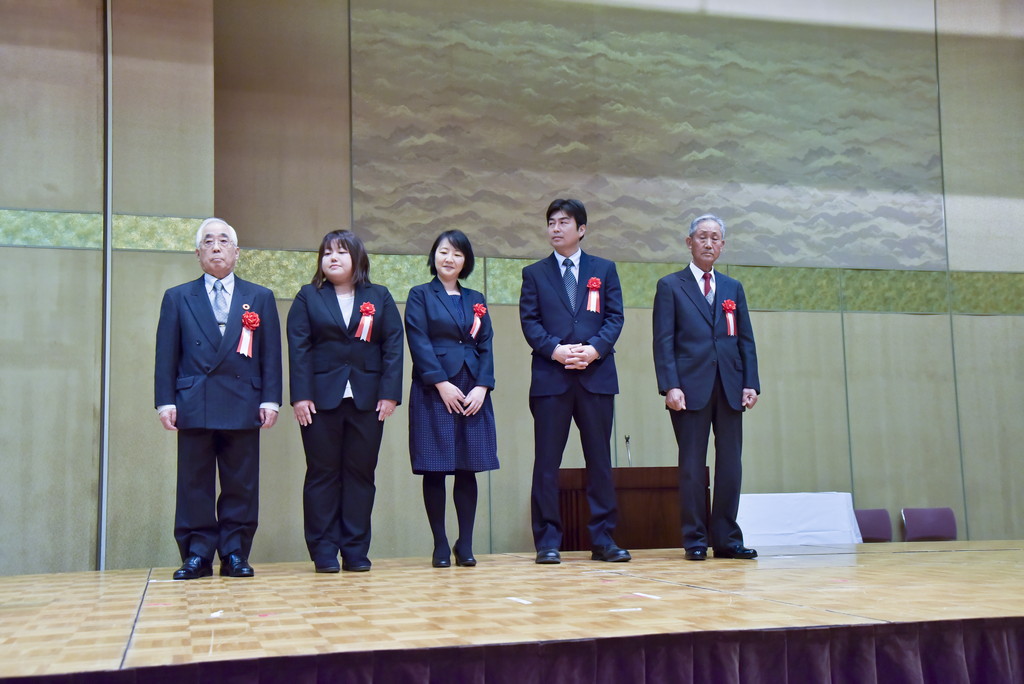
818 145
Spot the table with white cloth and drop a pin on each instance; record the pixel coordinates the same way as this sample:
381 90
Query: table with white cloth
798 518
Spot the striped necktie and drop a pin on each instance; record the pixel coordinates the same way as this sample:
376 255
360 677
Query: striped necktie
569 280
220 305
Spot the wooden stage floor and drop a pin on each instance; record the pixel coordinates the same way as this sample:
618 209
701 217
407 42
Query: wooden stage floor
93 621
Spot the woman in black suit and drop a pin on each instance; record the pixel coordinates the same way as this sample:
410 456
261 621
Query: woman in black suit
345 353
451 421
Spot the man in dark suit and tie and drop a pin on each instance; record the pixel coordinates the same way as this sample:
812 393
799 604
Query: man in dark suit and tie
217 382
706 366
571 312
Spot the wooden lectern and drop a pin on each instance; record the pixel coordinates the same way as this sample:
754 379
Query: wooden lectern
648 500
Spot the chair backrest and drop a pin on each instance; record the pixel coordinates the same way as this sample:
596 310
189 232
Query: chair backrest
928 524
875 524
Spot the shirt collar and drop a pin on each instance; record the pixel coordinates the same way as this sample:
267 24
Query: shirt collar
228 281
699 274
574 258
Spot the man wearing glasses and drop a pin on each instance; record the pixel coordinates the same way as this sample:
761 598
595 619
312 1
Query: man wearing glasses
217 383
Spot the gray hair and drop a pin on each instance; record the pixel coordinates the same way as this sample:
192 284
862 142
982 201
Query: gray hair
707 217
205 224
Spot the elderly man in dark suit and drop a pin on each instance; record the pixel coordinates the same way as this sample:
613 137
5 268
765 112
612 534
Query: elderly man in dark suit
571 313
218 382
706 365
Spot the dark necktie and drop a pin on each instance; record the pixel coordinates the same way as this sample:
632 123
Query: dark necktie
569 280
708 294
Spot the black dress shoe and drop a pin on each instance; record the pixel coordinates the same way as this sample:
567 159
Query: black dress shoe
697 553
548 557
441 562
328 566
356 566
610 553
464 561
235 566
194 567
736 551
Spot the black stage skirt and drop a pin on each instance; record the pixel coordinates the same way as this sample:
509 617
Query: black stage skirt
442 442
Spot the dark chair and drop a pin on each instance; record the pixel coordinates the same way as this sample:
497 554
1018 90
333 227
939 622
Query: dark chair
875 524
928 524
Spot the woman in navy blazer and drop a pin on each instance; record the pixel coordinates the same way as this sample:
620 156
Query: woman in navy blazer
451 420
345 353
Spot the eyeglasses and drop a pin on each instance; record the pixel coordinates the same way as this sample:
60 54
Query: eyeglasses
222 241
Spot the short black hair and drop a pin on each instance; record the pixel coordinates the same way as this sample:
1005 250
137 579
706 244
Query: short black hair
459 241
360 260
572 207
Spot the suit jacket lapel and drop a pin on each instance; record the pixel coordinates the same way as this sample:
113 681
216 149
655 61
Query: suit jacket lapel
199 304
330 299
362 295
242 296
555 275
723 291
467 310
692 290
585 274
446 300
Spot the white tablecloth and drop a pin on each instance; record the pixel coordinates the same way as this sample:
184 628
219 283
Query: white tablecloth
797 519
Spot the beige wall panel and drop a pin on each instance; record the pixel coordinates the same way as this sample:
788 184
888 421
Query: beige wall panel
990 388
985 233
399 520
51 96
50 401
639 409
282 469
981 17
796 438
510 485
282 119
981 79
903 420
163 107
143 456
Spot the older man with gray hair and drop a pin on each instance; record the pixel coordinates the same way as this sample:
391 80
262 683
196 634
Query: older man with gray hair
706 365
217 383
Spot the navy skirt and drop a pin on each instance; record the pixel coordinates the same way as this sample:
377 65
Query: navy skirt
442 442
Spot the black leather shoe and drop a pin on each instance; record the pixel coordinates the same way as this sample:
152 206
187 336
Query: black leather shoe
610 553
548 557
736 551
235 566
441 558
356 566
329 566
464 561
194 567
697 553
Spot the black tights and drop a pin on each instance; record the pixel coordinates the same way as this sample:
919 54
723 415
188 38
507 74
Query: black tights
465 495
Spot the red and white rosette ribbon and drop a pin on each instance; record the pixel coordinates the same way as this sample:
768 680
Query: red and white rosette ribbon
594 295
478 313
250 321
729 306
365 328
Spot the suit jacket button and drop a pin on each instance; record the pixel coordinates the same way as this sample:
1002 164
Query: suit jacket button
198 343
